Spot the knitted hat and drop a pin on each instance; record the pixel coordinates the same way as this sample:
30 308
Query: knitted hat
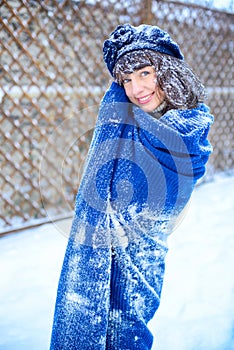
126 38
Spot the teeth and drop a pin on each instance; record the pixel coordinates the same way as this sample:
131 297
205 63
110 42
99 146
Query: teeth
144 98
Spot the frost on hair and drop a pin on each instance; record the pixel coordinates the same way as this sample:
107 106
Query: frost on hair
130 62
175 77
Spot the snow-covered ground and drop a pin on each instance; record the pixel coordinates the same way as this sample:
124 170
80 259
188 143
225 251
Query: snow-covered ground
197 307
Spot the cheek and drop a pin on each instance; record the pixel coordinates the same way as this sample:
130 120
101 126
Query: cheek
160 94
128 92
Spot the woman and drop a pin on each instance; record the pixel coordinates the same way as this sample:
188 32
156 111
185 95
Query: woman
148 150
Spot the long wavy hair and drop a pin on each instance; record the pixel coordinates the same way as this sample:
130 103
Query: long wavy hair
182 87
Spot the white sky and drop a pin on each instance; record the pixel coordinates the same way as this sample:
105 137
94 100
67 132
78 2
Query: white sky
226 5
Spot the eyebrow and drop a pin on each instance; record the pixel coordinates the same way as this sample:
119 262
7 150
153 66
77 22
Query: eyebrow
133 69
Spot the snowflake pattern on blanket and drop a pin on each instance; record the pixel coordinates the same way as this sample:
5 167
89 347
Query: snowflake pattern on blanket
139 176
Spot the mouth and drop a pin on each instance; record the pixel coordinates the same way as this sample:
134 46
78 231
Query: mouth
145 99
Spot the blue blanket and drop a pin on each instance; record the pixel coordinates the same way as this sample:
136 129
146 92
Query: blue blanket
139 175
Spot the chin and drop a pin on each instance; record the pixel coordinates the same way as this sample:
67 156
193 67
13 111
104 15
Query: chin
147 109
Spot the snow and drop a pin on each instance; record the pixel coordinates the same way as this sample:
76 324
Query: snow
197 305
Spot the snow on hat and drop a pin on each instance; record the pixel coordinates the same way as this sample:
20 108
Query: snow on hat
126 38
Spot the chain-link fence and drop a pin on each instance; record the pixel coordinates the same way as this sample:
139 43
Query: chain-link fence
52 80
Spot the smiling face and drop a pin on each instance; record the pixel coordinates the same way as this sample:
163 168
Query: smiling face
142 90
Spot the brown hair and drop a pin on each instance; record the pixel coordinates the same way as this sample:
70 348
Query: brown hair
181 86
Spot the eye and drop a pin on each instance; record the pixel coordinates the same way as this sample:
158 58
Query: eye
126 80
144 73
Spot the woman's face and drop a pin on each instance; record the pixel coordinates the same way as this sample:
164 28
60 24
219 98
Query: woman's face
142 90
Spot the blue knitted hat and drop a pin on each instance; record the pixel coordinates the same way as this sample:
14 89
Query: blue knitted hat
126 38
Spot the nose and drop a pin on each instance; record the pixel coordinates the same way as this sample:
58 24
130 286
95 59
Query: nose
136 87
